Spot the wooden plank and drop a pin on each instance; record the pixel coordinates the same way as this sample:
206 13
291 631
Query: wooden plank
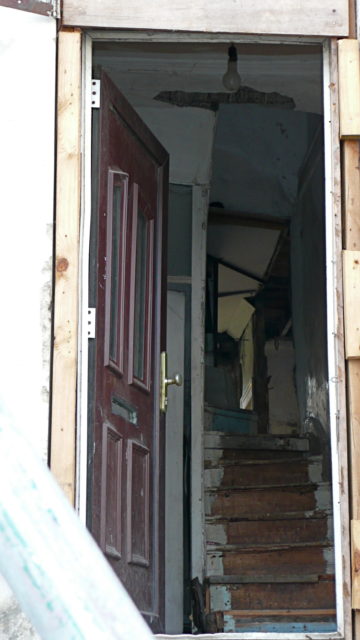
262 613
352 18
351 274
351 183
62 455
355 553
349 88
217 440
353 376
277 578
310 17
199 226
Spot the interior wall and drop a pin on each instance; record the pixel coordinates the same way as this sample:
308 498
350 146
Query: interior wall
27 109
258 152
309 295
179 284
187 135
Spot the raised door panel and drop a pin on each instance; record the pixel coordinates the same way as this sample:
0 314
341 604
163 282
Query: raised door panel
127 497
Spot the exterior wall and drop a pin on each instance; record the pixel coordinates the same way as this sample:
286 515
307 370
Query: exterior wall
27 63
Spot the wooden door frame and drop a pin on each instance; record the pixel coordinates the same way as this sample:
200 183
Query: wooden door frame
337 394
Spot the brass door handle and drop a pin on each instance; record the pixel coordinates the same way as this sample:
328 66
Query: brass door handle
177 379
165 382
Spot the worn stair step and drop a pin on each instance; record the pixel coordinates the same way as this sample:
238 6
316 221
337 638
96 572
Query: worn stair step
288 621
273 546
267 531
259 517
299 560
239 502
277 577
253 458
263 472
220 457
268 596
219 440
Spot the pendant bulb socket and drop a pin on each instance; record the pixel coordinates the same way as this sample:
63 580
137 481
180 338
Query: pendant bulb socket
231 79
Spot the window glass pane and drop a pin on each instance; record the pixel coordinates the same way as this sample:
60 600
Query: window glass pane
140 295
115 276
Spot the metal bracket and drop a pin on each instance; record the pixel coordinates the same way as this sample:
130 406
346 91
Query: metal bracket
95 94
91 322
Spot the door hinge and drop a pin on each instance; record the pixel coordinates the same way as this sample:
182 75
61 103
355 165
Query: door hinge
95 94
91 322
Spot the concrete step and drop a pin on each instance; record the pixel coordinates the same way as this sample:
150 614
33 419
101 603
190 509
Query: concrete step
270 596
263 472
249 502
310 529
220 440
301 559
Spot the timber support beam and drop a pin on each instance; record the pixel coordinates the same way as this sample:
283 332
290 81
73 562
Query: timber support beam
63 419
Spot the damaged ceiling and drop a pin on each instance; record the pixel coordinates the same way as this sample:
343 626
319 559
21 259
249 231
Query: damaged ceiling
249 147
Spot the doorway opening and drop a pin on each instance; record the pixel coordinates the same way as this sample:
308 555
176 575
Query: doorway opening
254 161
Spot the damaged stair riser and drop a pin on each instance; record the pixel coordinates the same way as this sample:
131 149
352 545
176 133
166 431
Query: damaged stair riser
215 440
299 560
266 531
246 502
314 624
272 473
223 457
273 596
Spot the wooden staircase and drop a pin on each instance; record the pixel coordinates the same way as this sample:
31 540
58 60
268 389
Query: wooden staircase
269 541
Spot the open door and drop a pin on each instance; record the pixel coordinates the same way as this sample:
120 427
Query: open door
127 448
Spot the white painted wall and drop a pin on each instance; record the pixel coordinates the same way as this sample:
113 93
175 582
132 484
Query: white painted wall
27 70
174 481
187 134
283 407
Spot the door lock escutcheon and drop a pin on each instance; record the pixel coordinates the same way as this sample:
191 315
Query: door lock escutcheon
165 382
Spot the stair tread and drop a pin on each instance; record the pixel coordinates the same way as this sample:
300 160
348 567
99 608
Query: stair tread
220 440
263 462
285 515
230 548
261 613
261 579
265 487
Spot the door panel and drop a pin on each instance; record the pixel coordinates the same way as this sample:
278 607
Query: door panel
128 466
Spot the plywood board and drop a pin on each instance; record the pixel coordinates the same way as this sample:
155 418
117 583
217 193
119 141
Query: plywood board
62 456
349 88
351 273
308 17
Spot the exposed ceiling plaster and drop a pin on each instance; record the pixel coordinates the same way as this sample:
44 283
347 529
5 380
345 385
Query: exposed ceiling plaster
143 70
256 155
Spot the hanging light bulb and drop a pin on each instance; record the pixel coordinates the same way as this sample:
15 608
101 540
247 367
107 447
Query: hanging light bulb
231 79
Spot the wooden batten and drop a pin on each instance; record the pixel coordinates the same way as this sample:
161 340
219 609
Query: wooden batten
351 219
351 271
62 453
351 171
349 89
355 557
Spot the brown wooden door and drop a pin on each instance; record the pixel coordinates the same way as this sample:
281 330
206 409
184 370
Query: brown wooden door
127 467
